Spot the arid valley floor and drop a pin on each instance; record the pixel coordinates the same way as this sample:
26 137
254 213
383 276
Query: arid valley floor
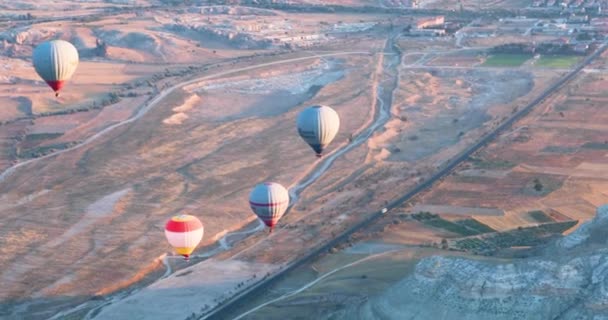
183 108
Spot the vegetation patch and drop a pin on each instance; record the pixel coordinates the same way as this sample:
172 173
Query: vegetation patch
596 145
506 60
474 179
531 236
560 149
475 225
44 150
466 227
540 216
479 163
542 186
558 61
41 136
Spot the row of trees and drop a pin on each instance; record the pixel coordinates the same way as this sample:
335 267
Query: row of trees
27 16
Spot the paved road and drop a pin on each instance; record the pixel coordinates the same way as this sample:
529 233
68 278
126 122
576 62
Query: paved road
223 311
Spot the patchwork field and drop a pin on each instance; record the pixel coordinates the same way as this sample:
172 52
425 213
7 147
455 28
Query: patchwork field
552 164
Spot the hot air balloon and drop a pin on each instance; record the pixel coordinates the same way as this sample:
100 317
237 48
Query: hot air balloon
184 232
269 201
318 126
55 62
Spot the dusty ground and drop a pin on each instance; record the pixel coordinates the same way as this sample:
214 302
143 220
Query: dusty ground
159 166
142 50
473 4
564 151
95 214
559 144
373 172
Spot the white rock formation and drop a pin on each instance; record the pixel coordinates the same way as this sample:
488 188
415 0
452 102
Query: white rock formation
569 280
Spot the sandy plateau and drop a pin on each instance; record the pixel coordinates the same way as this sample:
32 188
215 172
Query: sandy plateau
482 240
184 109
420 115
158 166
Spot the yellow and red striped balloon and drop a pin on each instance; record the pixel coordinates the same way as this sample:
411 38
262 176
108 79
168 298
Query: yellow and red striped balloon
184 232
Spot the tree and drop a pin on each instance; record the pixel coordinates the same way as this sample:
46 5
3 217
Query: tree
113 98
584 36
101 48
538 186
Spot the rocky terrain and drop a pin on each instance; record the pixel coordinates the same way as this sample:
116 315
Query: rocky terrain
567 280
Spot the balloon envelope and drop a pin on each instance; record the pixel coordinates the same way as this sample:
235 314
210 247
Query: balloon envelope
269 201
184 232
318 126
55 62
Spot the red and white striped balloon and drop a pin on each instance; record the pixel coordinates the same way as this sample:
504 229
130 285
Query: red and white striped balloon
184 232
269 201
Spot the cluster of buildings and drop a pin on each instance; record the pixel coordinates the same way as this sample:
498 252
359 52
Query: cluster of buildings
576 5
432 26
430 22
573 25
429 26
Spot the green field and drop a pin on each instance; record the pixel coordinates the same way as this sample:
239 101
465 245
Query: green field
465 227
506 60
480 163
557 61
540 216
40 151
596 145
520 237
41 136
